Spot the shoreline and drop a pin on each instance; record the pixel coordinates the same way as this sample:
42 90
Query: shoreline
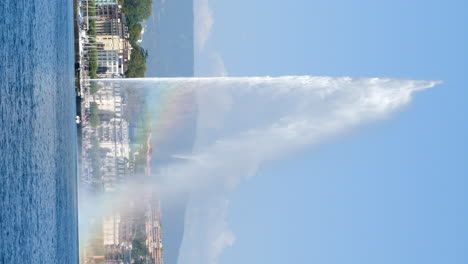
76 67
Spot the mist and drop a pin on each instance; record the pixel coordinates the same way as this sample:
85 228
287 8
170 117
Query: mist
209 134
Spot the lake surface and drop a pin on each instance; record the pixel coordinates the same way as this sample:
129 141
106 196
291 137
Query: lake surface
38 213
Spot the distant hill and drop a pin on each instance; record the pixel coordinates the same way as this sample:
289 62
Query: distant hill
168 38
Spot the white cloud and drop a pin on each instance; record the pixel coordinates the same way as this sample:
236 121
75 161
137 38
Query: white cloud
218 67
210 64
203 23
206 223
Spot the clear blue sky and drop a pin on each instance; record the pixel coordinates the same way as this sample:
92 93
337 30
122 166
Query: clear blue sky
391 192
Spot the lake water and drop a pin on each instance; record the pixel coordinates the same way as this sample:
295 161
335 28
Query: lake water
38 213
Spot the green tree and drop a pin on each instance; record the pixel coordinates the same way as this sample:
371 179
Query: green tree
92 8
92 52
92 28
94 109
95 158
137 63
137 10
93 88
134 31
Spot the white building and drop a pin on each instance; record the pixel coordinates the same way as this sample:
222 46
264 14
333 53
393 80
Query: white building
113 135
106 2
110 64
110 230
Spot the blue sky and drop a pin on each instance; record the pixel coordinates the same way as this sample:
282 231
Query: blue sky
389 192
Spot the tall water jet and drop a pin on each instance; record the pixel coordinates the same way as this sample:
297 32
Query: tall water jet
285 107
175 137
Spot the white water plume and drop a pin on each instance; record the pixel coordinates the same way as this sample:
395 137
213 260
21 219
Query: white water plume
241 123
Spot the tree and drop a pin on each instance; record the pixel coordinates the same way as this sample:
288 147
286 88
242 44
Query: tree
93 88
137 10
137 64
95 158
92 28
94 108
134 30
92 52
92 55
92 8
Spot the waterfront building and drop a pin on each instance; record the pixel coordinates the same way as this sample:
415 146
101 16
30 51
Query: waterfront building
107 26
106 2
111 21
114 49
112 134
154 232
110 64
111 42
110 230
110 101
108 11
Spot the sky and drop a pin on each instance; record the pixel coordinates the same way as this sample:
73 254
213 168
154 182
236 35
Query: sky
387 192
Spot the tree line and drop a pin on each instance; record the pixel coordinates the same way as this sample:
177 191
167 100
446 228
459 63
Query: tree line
135 12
